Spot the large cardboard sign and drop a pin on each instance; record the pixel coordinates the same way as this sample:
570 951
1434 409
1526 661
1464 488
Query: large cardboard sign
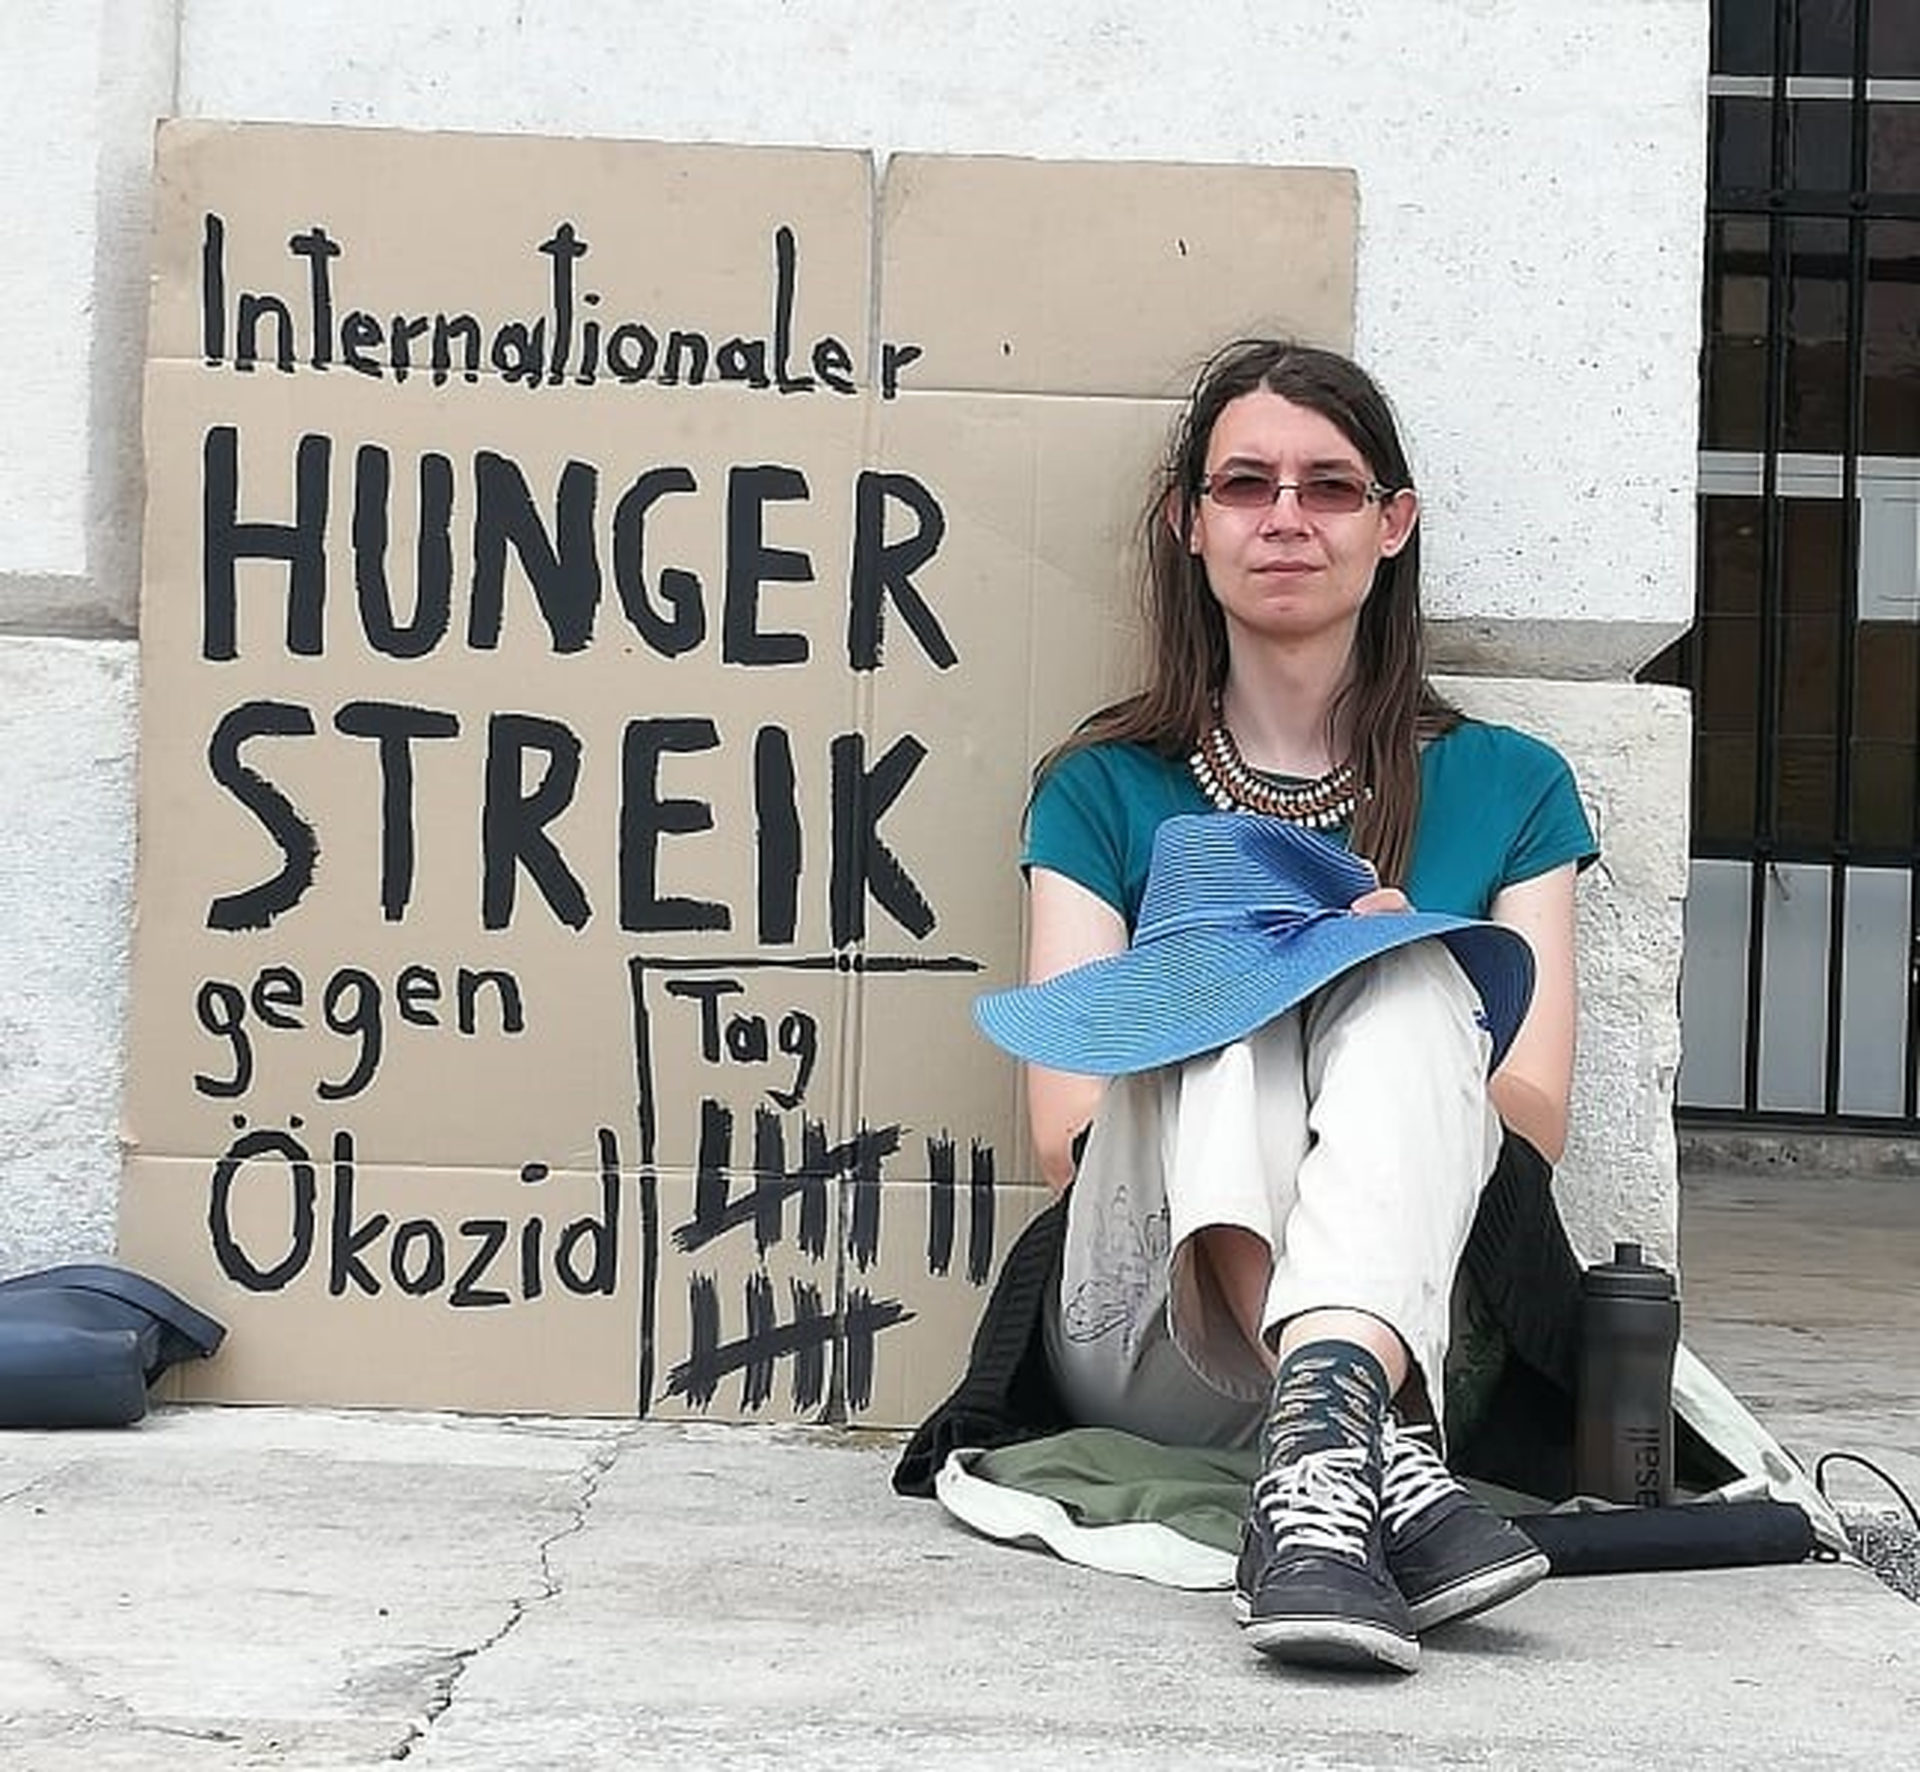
602 603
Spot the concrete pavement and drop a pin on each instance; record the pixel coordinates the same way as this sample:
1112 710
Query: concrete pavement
269 1588
1803 1293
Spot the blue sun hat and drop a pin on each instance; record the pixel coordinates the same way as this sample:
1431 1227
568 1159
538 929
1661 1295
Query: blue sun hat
1243 917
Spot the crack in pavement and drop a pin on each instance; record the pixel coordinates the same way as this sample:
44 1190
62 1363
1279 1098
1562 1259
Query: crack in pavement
445 1684
102 1711
97 1706
179 1732
63 1727
33 1483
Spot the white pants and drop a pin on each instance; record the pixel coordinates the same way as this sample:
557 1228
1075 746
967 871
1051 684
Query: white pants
1352 1136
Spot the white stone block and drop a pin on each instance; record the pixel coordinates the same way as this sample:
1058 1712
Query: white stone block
48 148
67 724
1630 747
80 89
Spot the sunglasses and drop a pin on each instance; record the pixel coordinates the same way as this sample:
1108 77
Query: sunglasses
1320 495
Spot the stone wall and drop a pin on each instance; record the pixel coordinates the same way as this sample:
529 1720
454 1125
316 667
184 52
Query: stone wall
1530 182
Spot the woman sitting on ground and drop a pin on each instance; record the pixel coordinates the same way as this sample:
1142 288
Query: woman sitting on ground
1262 1239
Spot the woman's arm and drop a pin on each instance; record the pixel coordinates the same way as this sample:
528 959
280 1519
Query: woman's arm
1067 926
1534 1083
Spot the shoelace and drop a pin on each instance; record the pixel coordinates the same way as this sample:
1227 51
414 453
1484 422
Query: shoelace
1320 1501
1412 1478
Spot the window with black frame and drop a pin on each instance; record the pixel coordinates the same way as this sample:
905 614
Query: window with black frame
1801 993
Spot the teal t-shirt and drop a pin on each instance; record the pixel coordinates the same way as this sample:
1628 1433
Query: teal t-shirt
1496 807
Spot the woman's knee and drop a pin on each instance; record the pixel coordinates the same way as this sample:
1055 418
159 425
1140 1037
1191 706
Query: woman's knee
1417 994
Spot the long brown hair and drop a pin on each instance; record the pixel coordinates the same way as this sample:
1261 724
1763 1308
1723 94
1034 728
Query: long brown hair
1388 704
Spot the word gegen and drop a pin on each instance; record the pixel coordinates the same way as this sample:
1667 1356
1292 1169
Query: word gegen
351 1006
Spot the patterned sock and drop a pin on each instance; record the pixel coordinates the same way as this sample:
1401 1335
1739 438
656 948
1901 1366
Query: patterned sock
1326 1394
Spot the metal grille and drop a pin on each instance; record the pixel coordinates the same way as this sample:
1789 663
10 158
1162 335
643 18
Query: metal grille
1801 1000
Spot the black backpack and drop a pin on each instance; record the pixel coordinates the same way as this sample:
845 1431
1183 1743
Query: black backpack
79 1345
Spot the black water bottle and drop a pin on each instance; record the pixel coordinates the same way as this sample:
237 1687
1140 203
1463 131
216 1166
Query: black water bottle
1629 1330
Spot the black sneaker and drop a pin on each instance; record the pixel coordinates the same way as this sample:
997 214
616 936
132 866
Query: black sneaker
1312 1586
1451 1556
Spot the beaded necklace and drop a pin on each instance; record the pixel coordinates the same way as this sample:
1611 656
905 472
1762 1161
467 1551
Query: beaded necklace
1230 782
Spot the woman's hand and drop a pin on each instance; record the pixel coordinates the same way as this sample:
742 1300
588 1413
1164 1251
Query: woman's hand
1381 900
